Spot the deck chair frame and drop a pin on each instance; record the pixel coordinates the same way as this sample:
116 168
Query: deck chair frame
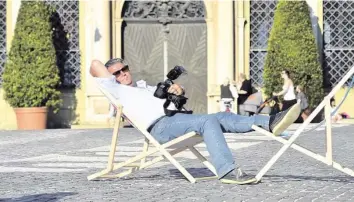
328 159
165 151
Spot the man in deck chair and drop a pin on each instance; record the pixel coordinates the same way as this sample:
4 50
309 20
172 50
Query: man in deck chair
138 100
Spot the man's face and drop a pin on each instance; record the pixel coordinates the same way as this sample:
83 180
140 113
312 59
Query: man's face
241 77
121 72
297 89
283 74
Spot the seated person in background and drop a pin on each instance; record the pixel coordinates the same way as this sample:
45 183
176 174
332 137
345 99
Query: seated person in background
305 112
252 103
337 116
245 89
228 93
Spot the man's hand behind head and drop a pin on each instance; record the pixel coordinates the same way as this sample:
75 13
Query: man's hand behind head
97 69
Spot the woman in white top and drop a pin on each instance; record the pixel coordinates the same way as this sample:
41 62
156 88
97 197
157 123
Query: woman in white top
288 91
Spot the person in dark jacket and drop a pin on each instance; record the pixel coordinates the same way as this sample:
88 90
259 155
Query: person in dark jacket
245 89
228 93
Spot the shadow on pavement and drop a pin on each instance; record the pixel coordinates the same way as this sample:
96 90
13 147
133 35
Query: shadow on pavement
40 197
173 173
282 178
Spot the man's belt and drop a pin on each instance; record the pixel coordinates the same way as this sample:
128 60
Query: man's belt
154 123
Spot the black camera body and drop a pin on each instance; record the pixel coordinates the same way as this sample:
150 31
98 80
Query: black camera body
162 89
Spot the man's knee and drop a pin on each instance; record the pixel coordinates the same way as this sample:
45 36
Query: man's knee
221 113
210 120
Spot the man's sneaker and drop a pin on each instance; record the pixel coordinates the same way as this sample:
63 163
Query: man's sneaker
282 120
237 176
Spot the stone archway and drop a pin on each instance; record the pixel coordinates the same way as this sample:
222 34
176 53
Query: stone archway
200 105
157 35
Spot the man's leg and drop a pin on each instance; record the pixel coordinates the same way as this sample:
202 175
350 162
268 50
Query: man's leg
208 127
276 124
234 123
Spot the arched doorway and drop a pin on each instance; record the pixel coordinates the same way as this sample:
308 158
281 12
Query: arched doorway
158 35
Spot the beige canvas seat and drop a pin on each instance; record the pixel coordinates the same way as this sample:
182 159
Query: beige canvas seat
152 151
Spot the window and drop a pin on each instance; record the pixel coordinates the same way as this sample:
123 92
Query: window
262 15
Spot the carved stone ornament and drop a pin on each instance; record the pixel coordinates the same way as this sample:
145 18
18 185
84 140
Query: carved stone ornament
163 10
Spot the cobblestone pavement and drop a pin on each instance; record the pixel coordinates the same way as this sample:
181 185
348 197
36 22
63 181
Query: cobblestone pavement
52 165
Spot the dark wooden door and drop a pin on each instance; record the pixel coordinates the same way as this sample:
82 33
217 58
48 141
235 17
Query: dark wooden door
143 44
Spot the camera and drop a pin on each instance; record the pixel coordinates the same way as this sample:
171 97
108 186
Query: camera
162 88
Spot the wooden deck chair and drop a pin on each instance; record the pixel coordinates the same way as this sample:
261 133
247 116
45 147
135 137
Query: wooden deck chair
164 151
328 159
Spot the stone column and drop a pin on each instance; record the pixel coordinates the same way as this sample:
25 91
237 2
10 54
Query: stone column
98 35
240 38
117 28
117 39
211 94
97 46
12 8
316 13
224 41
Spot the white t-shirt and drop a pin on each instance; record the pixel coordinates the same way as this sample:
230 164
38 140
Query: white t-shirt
139 103
290 93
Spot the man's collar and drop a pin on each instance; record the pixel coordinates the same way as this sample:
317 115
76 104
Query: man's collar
141 84
133 83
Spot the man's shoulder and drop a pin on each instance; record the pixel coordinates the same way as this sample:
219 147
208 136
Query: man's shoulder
301 95
105 80
246 84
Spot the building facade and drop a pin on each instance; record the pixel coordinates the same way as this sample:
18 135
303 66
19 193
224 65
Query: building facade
211 39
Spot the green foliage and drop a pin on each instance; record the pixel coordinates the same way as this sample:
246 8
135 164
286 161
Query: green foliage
292 46
31 76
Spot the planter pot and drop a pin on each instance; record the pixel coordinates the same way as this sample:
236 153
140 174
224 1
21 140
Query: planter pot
31 118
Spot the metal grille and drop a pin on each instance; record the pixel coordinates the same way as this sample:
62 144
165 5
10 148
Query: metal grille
2 37
262 15
338 39
66 40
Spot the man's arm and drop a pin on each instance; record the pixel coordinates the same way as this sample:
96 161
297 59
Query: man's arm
98 69
243 89
242 92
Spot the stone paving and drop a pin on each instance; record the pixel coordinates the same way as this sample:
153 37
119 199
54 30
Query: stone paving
52 165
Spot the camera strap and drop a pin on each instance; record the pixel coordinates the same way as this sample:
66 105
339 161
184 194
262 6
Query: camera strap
169 112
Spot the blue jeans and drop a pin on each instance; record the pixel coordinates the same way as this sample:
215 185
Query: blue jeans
211 127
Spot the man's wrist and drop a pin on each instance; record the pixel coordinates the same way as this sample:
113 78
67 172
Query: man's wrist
183 90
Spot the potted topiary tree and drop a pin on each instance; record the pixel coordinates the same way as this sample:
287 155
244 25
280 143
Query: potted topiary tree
31 76
292 46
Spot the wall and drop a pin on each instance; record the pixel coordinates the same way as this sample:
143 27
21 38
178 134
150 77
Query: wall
347 105
74 106
7 116
96 44
316 8
86 105
220 48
